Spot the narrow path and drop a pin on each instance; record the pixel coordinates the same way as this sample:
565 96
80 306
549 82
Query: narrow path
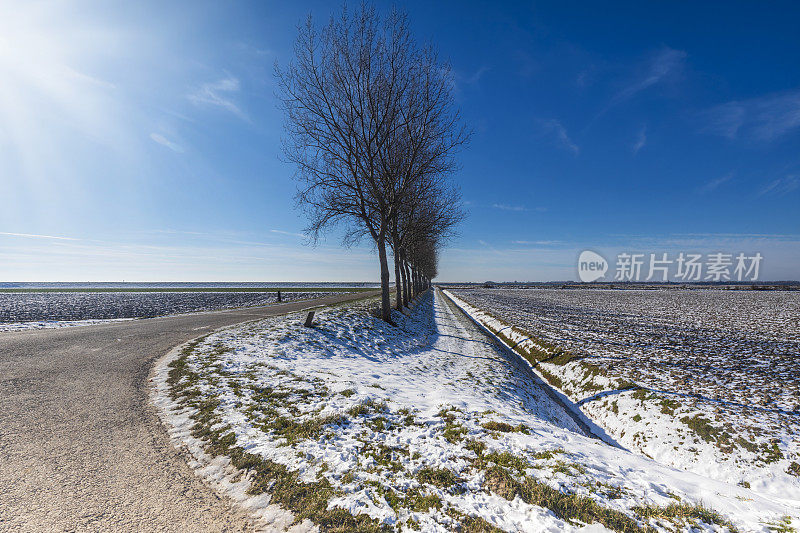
81 448
587 427
500 373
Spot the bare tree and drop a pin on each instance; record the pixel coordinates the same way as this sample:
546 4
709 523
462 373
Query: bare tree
418 159
371 126
425 220
340 98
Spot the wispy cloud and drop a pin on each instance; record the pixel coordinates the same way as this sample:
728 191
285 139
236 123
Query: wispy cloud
714 184
764 118
459 80
163 141
506 207
281 232
34 236
583 78
519 208
665 62
476 76
556 129
250 48
781 186
659 68
641 140
538 243
218 94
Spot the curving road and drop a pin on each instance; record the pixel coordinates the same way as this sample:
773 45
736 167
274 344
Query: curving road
82 449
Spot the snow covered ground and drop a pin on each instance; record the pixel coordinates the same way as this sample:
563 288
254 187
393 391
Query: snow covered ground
51 324
427 426
78 306
705 381
44 310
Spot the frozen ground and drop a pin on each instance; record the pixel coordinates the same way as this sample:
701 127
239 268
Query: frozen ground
705 380
52 324
35 310
360 425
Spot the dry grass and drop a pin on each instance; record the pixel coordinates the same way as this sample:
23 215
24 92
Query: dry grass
569 507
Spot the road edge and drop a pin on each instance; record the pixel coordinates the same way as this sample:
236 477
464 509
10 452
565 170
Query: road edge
217 473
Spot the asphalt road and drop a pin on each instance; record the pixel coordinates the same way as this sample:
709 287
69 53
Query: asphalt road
82 449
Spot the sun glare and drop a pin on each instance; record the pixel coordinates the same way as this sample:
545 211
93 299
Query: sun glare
52 87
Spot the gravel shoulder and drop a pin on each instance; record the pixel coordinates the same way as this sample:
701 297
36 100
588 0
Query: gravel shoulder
81 448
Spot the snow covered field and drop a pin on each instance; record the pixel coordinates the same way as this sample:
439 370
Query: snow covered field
359 425
54 324
717 371
35 310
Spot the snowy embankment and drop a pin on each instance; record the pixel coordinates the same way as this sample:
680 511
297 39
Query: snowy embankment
754 447
358 425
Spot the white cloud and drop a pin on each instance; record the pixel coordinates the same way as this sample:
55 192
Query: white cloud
725 120
556 129
781 185
664 63
715 183
505 207
218 94
34 236
641 140
764 118
476 76
281 232
458 81
538 243
519 208
163 141
659 68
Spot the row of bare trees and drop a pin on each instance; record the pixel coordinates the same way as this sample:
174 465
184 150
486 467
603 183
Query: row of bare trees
373 130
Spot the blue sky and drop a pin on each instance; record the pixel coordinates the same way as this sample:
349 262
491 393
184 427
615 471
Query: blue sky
142 141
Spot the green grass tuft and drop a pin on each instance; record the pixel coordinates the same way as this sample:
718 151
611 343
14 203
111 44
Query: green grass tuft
570 507
684 512
504 427
438 477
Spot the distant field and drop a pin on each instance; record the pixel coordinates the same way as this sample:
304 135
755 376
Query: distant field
184 289
705 379
23 308
734 346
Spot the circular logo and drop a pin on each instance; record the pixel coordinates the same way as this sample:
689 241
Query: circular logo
591 266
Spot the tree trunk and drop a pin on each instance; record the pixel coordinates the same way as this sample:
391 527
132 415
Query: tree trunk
406 291
398 279
386 310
